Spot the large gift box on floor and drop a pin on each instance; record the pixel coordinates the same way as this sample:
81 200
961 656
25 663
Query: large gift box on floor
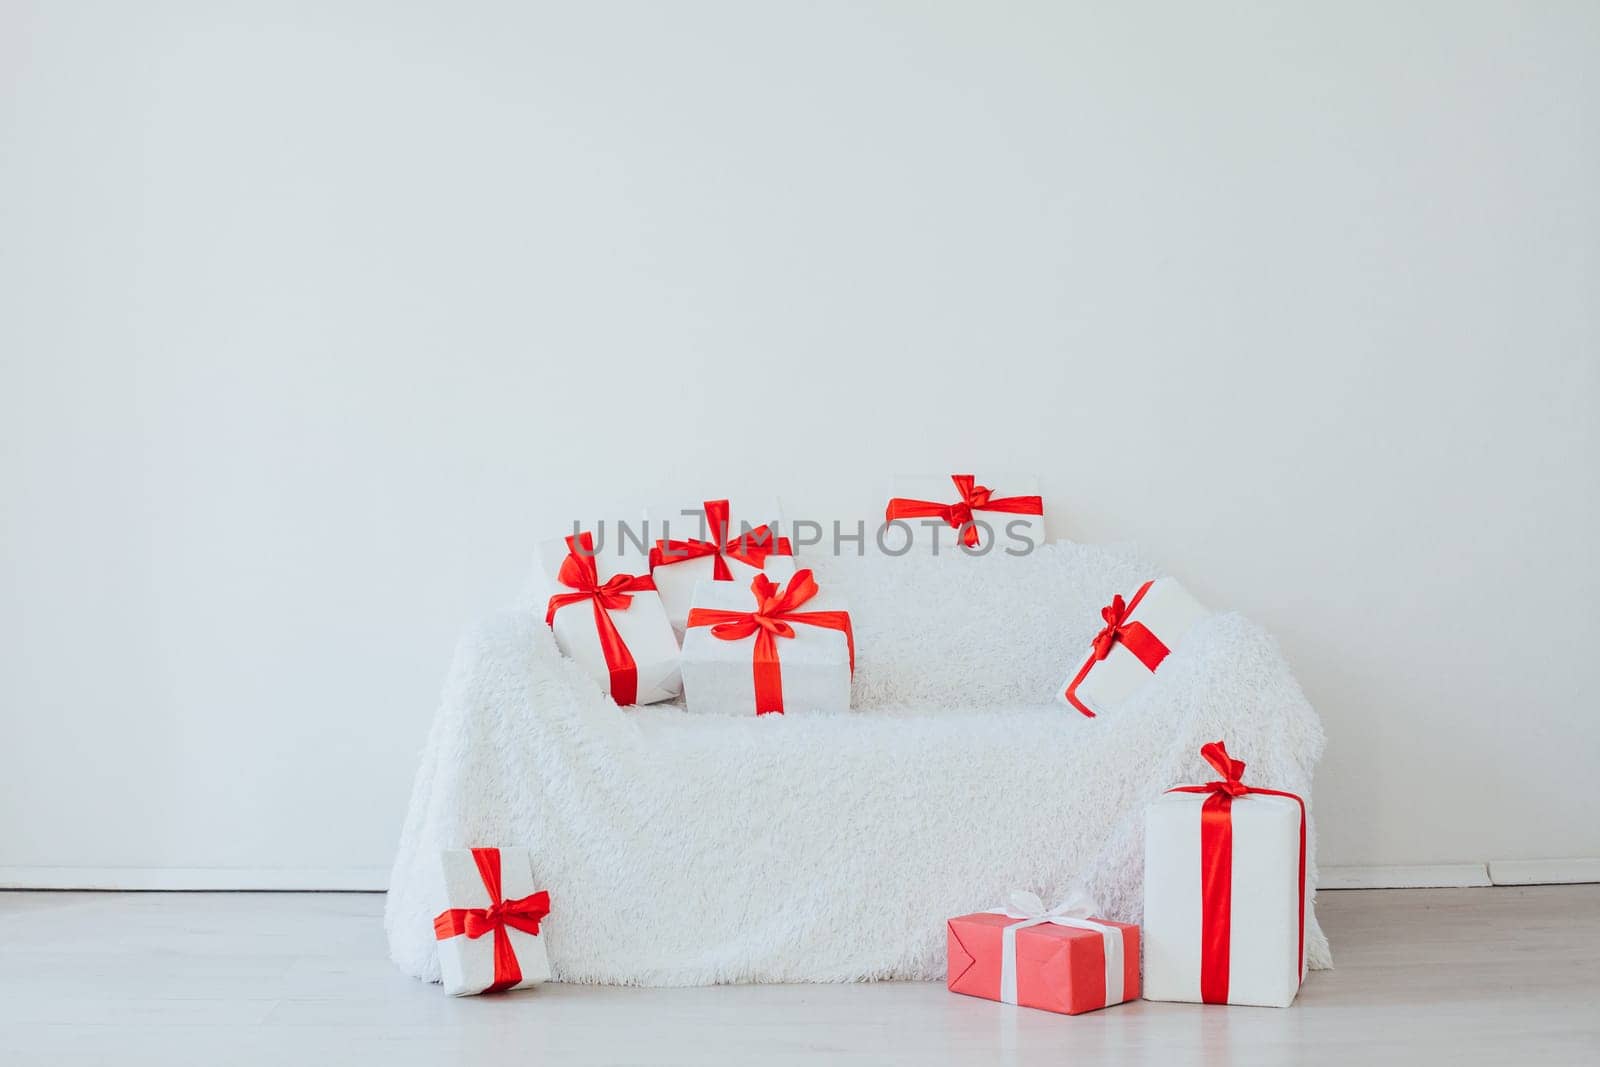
951 512
610 619
764 648
1059 960
1137 637
488 934
715 541
1225 891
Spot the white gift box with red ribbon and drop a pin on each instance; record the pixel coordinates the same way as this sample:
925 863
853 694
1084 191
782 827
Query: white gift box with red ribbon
1137 637
990 513
1224 892
631 651
762 648
714 540
489 933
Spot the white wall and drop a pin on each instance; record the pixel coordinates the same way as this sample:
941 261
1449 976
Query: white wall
313 321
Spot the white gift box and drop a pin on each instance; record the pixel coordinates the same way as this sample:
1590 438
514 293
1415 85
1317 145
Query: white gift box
642 625
997 531
1164 609
676 578
467 964
1265 959
719 676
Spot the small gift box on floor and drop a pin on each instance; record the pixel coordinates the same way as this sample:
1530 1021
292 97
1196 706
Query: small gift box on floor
714 542
610 620
946 513
1137 637
1225 891
488 934
1060 959
764 649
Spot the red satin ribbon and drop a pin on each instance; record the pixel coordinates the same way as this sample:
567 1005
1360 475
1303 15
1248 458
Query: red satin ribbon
770 621
752 548
523 914
1216 870
974 497
1134 636
578 572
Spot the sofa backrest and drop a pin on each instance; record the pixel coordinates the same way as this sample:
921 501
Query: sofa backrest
958 631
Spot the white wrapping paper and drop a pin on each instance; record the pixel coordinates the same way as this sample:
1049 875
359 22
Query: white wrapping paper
467 964
718 675
1007 531
1264 927
643 626
1169 612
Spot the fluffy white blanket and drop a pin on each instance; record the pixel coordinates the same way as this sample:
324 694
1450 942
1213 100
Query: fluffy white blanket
686 850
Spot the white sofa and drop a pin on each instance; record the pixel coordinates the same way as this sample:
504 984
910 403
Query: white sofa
685 849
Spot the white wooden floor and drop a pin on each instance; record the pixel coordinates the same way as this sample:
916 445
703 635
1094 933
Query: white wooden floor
1495 976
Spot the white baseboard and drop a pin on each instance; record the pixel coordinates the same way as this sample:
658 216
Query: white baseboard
1435 875
324 879
1544 872
376 879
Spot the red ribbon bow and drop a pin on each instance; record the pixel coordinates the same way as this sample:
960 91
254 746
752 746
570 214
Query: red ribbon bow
752 547
522 914
775 611
1232 770
1216 869
579 572
1134 636
974 497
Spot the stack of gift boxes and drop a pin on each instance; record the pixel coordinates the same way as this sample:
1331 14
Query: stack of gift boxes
726 618
1224 913
730 620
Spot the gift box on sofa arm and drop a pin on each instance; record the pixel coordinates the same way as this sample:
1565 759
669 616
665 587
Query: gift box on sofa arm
1138 636
608 617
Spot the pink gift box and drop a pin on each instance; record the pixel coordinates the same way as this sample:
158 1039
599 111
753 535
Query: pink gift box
1058 968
